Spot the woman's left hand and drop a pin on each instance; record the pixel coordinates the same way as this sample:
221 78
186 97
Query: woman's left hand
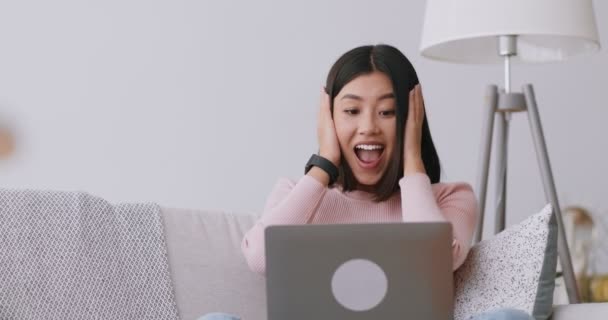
412 150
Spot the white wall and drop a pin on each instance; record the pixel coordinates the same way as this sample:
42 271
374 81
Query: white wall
203 104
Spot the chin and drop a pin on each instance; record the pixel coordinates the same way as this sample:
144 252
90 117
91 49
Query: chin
367 180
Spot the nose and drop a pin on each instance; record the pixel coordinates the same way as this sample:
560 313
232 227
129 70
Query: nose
368 125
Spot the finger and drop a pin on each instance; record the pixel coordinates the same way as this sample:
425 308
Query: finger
418 96
416 105
325 116
410 104
325 105
410 121
322 104
421 103
320 108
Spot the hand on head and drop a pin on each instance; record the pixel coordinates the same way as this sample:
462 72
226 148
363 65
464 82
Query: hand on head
413 124
412 151
329 148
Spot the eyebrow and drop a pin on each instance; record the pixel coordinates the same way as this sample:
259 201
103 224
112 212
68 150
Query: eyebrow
355 97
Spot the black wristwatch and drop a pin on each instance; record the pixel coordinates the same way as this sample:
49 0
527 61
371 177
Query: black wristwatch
325 165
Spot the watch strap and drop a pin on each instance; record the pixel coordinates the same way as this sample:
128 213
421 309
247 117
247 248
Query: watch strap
325 165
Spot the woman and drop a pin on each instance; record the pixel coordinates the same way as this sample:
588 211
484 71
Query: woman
376 162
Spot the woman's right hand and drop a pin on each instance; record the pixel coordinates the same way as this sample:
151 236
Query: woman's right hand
329 148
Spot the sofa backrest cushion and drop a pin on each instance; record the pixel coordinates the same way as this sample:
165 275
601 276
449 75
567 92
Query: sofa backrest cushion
208 270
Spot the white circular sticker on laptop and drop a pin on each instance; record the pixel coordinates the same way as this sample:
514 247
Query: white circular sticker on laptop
359 284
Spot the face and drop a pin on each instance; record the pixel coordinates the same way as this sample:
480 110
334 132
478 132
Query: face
365 121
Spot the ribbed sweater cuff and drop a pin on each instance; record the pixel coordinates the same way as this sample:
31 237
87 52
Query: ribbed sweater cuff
418 200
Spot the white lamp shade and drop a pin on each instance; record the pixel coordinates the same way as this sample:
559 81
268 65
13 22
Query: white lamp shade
466 31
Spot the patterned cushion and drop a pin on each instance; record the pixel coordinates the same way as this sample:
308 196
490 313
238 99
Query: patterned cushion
516 269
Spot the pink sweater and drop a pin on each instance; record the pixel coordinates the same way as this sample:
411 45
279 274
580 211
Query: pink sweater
310 202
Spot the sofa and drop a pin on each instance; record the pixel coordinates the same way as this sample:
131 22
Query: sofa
210 274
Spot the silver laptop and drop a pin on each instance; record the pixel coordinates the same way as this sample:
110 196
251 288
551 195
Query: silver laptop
359 271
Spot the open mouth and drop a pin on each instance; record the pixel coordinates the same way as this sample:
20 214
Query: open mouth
369 155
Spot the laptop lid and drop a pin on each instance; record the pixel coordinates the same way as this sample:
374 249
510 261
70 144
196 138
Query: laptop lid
359 271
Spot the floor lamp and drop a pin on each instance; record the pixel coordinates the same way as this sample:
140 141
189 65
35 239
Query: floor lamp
492 31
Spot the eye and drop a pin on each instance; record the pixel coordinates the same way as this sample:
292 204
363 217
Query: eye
351 111
387 113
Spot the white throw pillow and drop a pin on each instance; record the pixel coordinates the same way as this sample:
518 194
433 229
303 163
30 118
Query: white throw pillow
515 269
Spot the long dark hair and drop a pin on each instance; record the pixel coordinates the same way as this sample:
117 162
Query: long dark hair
390 61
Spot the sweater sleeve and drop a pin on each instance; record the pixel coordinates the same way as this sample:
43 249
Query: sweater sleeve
454 202
288 203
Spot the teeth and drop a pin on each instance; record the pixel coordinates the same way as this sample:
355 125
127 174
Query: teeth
369 146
